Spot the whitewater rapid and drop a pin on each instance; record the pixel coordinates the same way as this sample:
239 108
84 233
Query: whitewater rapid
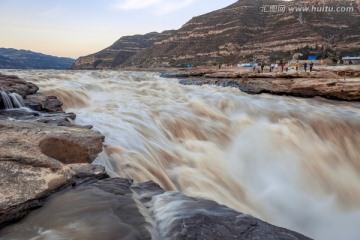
289 161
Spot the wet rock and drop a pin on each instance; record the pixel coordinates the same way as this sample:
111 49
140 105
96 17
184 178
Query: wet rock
192 218
338 89
244 73
105 210
187 73
348 90
33 163
131 210
56 119
15 84
41 102
178 216
27 90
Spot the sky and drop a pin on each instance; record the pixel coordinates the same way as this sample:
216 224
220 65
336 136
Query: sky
73 28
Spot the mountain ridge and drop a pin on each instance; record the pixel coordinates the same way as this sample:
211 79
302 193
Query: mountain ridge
242 32
11 58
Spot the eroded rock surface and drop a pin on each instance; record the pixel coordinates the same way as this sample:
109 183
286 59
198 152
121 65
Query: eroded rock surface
33 163
120 209
27 91
15 84
328 88
323 84
41 151
41 102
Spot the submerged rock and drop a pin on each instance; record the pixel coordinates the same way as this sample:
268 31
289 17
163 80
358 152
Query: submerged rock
120 209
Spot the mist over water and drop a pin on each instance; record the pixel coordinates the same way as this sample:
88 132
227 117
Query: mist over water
289 161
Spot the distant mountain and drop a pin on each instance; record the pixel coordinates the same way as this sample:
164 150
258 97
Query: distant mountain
121 51
23 59
244 31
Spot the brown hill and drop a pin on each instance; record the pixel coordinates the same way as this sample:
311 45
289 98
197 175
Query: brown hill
247 30
118 53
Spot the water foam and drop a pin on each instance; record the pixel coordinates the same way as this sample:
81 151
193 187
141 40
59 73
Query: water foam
293 162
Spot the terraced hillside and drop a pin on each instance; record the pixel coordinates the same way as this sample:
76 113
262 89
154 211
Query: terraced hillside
243 31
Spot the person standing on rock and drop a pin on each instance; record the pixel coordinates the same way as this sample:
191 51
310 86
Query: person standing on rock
262 67
297 66
282 67
311 66
305 66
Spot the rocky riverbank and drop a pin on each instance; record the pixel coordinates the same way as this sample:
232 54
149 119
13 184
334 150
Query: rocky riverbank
42 152
340 83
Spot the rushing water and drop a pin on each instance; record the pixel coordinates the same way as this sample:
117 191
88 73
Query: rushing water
293 162
11 100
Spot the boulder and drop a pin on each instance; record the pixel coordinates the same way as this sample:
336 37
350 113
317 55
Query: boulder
44 103
27 90
38 159
17 85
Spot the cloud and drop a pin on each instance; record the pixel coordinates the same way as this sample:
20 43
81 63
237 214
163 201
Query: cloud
138 4
53 12
172 6
161 7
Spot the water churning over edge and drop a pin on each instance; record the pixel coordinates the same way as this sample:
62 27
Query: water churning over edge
293 162
11 100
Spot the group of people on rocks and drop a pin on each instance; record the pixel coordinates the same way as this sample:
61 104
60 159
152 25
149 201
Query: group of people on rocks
311 66
286 67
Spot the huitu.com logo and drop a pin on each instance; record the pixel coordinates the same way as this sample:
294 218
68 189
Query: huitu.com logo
304 9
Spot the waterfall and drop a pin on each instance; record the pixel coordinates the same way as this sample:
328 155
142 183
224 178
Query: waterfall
6 100
11 100
17 100
292 162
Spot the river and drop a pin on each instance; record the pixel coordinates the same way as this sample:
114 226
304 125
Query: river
292 162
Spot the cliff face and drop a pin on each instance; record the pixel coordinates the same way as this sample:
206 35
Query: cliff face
244 31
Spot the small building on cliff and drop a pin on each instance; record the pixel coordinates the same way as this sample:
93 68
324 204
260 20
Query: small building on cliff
351 60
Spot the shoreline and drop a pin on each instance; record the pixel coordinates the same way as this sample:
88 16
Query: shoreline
41 152
341 84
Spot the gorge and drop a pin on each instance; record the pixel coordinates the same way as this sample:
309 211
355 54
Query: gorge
288 161
216 130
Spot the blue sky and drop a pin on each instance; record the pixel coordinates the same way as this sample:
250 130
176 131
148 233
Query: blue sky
74 28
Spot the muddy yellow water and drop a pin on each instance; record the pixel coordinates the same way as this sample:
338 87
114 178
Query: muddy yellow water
293 162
